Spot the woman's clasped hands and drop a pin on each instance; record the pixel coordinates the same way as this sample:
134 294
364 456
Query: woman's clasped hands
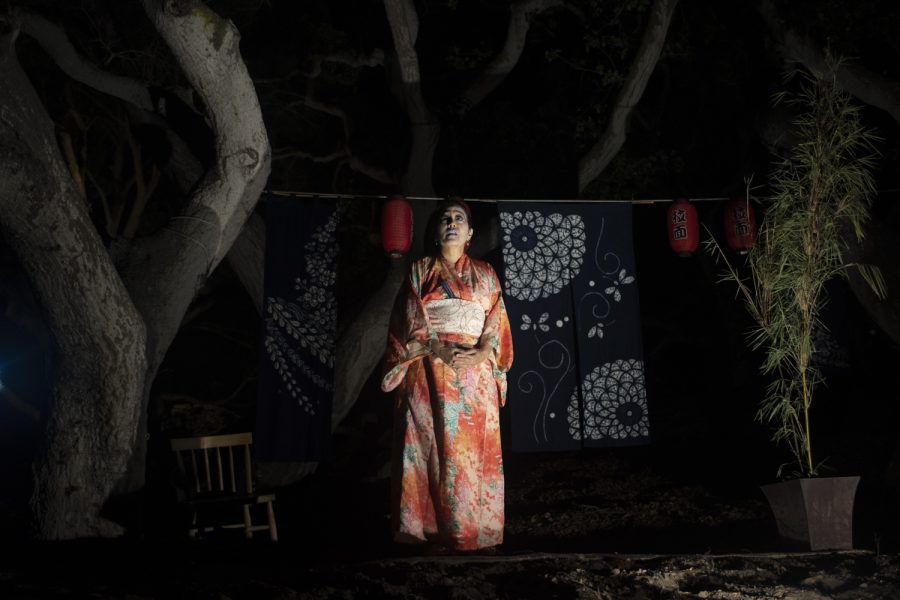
459 357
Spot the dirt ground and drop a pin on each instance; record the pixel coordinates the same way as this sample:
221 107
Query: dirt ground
579 526
239 574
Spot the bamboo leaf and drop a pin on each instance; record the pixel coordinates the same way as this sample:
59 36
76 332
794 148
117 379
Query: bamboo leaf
823 188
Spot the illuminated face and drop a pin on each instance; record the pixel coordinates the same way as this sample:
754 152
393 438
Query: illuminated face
453 228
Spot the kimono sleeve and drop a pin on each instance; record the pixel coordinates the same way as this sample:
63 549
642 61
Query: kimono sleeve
497 336
409 333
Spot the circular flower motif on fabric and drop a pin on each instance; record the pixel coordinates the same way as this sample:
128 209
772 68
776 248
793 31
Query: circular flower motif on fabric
615 403
541 253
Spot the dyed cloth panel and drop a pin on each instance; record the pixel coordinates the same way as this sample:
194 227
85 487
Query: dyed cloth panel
293 418
571 292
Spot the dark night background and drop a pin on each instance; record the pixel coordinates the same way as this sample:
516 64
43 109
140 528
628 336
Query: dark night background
701 129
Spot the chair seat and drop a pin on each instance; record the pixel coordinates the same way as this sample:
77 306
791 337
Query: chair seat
229 498
216 480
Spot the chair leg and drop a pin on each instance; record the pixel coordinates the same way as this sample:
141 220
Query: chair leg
270 515
248 524
193 530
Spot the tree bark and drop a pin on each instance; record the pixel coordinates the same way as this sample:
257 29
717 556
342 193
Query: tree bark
100 338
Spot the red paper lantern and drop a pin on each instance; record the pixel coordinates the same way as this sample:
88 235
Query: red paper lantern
740 225
396 226
684 227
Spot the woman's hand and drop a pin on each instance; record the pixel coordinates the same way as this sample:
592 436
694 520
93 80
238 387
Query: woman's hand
443 352
459 357
468 357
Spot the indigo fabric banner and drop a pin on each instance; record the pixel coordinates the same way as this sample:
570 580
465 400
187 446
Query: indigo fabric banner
293 416
571 292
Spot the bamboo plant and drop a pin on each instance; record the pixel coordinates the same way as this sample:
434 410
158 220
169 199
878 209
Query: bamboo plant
820 195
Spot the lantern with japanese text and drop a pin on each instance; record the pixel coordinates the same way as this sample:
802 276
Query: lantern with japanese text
740 225
684 227
396 226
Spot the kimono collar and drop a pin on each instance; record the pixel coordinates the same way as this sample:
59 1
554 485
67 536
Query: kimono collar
453 271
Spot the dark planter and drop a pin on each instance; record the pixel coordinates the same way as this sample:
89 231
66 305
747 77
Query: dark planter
814 514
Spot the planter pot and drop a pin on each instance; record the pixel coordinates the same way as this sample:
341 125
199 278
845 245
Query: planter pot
814 514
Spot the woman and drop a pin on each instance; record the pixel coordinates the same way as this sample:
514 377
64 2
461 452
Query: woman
449 348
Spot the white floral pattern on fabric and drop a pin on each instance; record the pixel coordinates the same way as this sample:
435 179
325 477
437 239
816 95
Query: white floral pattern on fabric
309 319
542 254
615 403
541 323
596 331
623 279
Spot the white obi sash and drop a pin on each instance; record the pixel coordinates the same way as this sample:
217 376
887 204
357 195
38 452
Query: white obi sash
453 315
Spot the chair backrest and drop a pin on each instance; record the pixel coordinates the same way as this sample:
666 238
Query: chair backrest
215 464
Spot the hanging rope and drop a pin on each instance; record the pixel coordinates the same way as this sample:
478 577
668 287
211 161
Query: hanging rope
288 194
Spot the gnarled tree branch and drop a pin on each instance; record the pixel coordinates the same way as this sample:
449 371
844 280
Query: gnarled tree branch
521 14
599 156
182 166
404 23
866 85
373 59
56 43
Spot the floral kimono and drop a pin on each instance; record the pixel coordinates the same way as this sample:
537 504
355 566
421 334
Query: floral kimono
448 466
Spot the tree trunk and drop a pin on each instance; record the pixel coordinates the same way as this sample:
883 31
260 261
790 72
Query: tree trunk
164 272
247 259
107 354
100 340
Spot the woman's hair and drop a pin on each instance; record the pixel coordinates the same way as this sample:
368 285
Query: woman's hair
454 201
435 219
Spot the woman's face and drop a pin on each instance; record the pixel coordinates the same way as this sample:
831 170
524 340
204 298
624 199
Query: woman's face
453 228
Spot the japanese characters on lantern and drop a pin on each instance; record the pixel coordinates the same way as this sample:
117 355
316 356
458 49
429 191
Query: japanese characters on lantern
740 225
684 228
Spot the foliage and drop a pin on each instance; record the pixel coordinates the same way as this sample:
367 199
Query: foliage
821 194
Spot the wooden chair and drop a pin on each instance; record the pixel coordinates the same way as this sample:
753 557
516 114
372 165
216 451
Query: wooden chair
217 484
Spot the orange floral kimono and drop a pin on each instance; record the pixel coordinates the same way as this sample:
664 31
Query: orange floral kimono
448 466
